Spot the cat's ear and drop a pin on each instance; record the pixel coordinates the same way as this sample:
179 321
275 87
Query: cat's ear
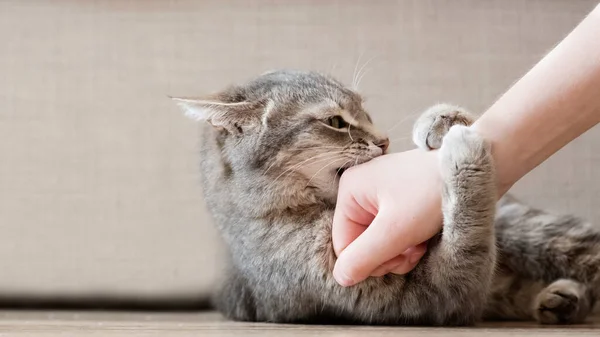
231 116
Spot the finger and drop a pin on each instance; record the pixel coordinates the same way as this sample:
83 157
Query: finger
402 264
344 231
385 268
350 219
413 256
383 240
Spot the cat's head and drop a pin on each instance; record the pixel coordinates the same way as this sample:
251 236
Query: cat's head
292 127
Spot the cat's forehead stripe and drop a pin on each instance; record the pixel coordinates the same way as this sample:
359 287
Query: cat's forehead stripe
267 111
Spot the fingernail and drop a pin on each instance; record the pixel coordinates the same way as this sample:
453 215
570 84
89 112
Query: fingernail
342 278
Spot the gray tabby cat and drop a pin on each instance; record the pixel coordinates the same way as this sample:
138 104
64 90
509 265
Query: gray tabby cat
272 155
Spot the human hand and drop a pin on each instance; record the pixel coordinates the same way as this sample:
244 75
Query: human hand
387 209
393 202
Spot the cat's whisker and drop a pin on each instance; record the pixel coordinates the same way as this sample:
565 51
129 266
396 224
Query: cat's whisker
276 162
401 121
338 171
316 148
331 156
335 158
295 167
397 139
339 147
321 147
333 161
355 69
324 147
349 134
361 74
317 156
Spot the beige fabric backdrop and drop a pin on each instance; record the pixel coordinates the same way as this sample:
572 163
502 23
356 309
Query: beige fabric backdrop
98 183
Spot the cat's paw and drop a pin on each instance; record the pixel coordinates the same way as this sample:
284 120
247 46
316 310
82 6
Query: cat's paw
431 127
463 149
562 302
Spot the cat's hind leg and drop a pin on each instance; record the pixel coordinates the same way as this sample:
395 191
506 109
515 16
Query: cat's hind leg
563 302
433 124
513 297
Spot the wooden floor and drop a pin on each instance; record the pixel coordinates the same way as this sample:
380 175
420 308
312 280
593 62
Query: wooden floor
22 323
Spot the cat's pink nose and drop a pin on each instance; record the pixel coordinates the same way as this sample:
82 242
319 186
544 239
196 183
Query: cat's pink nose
384 144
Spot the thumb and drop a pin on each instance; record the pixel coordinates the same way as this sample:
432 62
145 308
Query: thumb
352 214
383 240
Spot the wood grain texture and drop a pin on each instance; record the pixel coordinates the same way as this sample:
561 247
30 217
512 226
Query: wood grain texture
22 323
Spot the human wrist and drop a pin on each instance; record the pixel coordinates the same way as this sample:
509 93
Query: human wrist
507 158
435 180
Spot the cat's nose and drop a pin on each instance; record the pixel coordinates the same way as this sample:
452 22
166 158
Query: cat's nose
384 144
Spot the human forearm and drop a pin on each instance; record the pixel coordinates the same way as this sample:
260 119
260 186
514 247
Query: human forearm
554 103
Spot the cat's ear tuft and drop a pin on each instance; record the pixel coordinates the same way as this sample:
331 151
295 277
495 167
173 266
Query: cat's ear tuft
220 114
196 109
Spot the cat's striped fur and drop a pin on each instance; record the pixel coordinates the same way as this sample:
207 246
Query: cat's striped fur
272 152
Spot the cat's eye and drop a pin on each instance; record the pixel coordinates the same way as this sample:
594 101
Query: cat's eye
337 122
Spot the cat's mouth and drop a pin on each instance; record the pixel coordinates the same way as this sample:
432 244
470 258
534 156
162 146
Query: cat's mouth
340 170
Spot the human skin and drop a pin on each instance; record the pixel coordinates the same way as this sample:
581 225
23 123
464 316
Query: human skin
389 206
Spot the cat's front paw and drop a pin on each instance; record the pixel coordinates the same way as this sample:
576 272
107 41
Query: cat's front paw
463 149
562 302
431 127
